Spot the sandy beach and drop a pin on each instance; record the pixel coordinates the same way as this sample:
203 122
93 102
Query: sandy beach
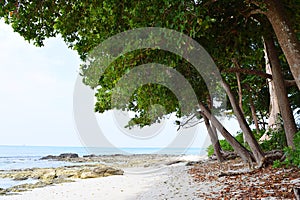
145 177
172 182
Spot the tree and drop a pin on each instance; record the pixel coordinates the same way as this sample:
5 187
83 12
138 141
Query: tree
281 93
227 30
239 149
256 150
286 35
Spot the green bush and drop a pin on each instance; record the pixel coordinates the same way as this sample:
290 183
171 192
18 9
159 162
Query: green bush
225 145
277 141
277 164
210 150
292 156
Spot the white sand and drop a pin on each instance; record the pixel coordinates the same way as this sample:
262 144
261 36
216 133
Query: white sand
171 182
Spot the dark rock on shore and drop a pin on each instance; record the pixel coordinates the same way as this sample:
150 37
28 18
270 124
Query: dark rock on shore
68 155
61 156
49 157
90 156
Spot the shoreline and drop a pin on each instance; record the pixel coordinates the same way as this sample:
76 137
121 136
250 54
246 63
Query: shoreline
143 171
156 185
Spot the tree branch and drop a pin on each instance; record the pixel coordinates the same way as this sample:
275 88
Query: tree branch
288 83
188 121
255 12
248 71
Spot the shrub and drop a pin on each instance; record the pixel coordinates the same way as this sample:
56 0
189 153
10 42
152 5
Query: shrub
224 145
210 150
277 141
292 156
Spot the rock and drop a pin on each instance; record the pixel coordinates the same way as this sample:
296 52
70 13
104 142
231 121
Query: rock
100 170
113 171
20 177
61 156
89 174
107 171
90 156
67 173
49 175
68 155
49 157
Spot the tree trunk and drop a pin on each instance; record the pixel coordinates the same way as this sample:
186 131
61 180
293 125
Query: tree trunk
240 94
214 139
253 112
250 139
252 108
238 148
213 133
286 36
280 90
238 78
274 106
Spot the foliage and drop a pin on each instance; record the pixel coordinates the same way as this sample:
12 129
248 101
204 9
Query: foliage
225 29
277 141
210 150
292 156
225 145
277 164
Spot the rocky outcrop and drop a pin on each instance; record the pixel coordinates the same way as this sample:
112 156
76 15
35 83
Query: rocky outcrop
48 176
68 155
62 156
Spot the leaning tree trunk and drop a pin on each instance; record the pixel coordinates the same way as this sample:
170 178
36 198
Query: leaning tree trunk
238 148
286 36
214 139
280 90
213 133
253 144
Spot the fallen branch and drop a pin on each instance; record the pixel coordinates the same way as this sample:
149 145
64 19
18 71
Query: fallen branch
233 173
297 193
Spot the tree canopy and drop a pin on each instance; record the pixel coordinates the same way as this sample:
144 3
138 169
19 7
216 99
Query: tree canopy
232 32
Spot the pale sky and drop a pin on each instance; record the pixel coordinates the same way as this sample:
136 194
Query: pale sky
36 98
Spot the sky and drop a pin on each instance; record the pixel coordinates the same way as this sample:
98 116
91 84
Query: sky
36 100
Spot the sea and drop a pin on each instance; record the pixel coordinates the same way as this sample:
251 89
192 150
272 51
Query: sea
23 157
